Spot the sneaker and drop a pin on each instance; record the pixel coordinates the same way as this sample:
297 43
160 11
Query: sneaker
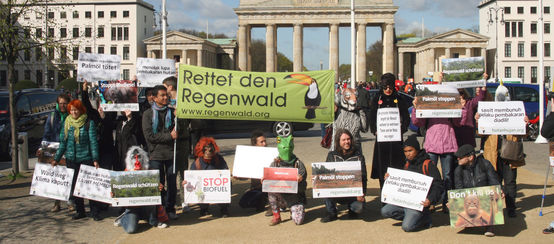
548 230
117 223
329 218
162 225
78 216
56 207
172 215
489 234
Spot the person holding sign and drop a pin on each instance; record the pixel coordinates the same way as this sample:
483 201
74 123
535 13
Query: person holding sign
417 161
296 202
254 197
465 134
208 158
79 145
158 128
473 172
345 151
385 153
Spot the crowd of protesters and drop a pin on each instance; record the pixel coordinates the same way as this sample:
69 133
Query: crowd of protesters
90 136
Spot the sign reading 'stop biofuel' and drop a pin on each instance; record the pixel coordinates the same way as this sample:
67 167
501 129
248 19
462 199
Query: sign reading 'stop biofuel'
206 93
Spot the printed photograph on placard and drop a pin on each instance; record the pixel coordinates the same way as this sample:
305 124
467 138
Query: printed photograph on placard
118 95
438 101
135 188
479 206
463 72
342 179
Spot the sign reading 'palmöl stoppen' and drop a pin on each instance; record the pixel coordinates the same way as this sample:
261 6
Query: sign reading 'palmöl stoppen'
337 179
501 118
96 67
151 72
206 93
405 188
388 125
437 101
207 186
52 182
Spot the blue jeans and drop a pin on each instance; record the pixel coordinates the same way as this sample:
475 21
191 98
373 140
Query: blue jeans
166 172
411 219
448 165
131 217
331 203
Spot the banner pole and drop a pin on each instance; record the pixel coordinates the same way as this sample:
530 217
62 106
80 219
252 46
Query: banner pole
175 127
544 189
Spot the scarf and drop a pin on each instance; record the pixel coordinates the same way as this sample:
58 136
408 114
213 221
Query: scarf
155 121
62 119
76 124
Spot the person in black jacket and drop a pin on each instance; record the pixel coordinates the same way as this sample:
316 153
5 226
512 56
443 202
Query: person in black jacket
385 154
473 171
126 136
418 161
345 151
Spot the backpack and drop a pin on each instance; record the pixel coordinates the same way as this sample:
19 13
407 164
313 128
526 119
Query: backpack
424 167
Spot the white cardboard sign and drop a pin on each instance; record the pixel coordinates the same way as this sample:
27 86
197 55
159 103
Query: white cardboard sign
207 186
95 67
250 161
388 125
151 72
94 184
52 182
405 188
501 118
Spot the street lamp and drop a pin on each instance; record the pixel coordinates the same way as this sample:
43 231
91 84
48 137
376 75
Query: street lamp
495 11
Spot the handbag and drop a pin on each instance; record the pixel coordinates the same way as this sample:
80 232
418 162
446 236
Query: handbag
512 150
326 140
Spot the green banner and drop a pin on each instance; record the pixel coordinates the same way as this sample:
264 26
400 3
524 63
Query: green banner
205 93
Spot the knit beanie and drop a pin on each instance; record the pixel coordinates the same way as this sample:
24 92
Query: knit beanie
412 142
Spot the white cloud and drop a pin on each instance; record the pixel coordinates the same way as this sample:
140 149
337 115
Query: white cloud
194 14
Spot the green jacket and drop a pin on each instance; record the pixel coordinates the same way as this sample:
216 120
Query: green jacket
85 150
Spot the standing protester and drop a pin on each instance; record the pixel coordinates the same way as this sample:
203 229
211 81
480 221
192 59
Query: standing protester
465 134
79 145
440 143
145 105
158 128
417 161
254 197
345 151
474 172
295 201
126 136
208 158
547 131
385 154
52 129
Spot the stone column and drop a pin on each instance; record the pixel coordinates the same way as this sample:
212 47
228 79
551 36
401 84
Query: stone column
270 48
243 48
401 65
297 50
468 52
248 46
432 61
361 70
184 56
199 57
334 49
484 55
388 47
447 52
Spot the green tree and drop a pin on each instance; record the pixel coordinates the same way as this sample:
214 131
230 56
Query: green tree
374 57
257 51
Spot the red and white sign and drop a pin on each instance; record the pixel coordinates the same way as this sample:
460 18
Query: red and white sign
207 186
280 180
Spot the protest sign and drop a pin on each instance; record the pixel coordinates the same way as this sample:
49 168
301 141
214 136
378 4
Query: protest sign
135 188
96 67
478 206
438 101
340 179
94 184
551 153
250 161
207 186
118 95
52 182
463 72
151 71
388 125
405 188
280 180
47 151
501 118
206 93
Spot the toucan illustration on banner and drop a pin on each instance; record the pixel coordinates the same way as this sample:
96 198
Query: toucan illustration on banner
313 97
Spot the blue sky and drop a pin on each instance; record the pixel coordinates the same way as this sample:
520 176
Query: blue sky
439 16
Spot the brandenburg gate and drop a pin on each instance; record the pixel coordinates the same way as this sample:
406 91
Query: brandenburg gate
298 14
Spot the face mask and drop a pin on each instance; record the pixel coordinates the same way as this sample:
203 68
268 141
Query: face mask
285 146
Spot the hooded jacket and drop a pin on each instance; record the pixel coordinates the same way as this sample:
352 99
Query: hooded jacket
479 173
440 137
416 165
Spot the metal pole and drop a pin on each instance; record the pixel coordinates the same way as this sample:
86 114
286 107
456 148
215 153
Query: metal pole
540 50
352 46
164 30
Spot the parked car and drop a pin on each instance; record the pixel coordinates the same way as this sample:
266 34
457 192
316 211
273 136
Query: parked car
278 128
32 109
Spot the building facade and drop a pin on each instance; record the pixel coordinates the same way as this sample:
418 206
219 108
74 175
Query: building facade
92 26
422 58
517 30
